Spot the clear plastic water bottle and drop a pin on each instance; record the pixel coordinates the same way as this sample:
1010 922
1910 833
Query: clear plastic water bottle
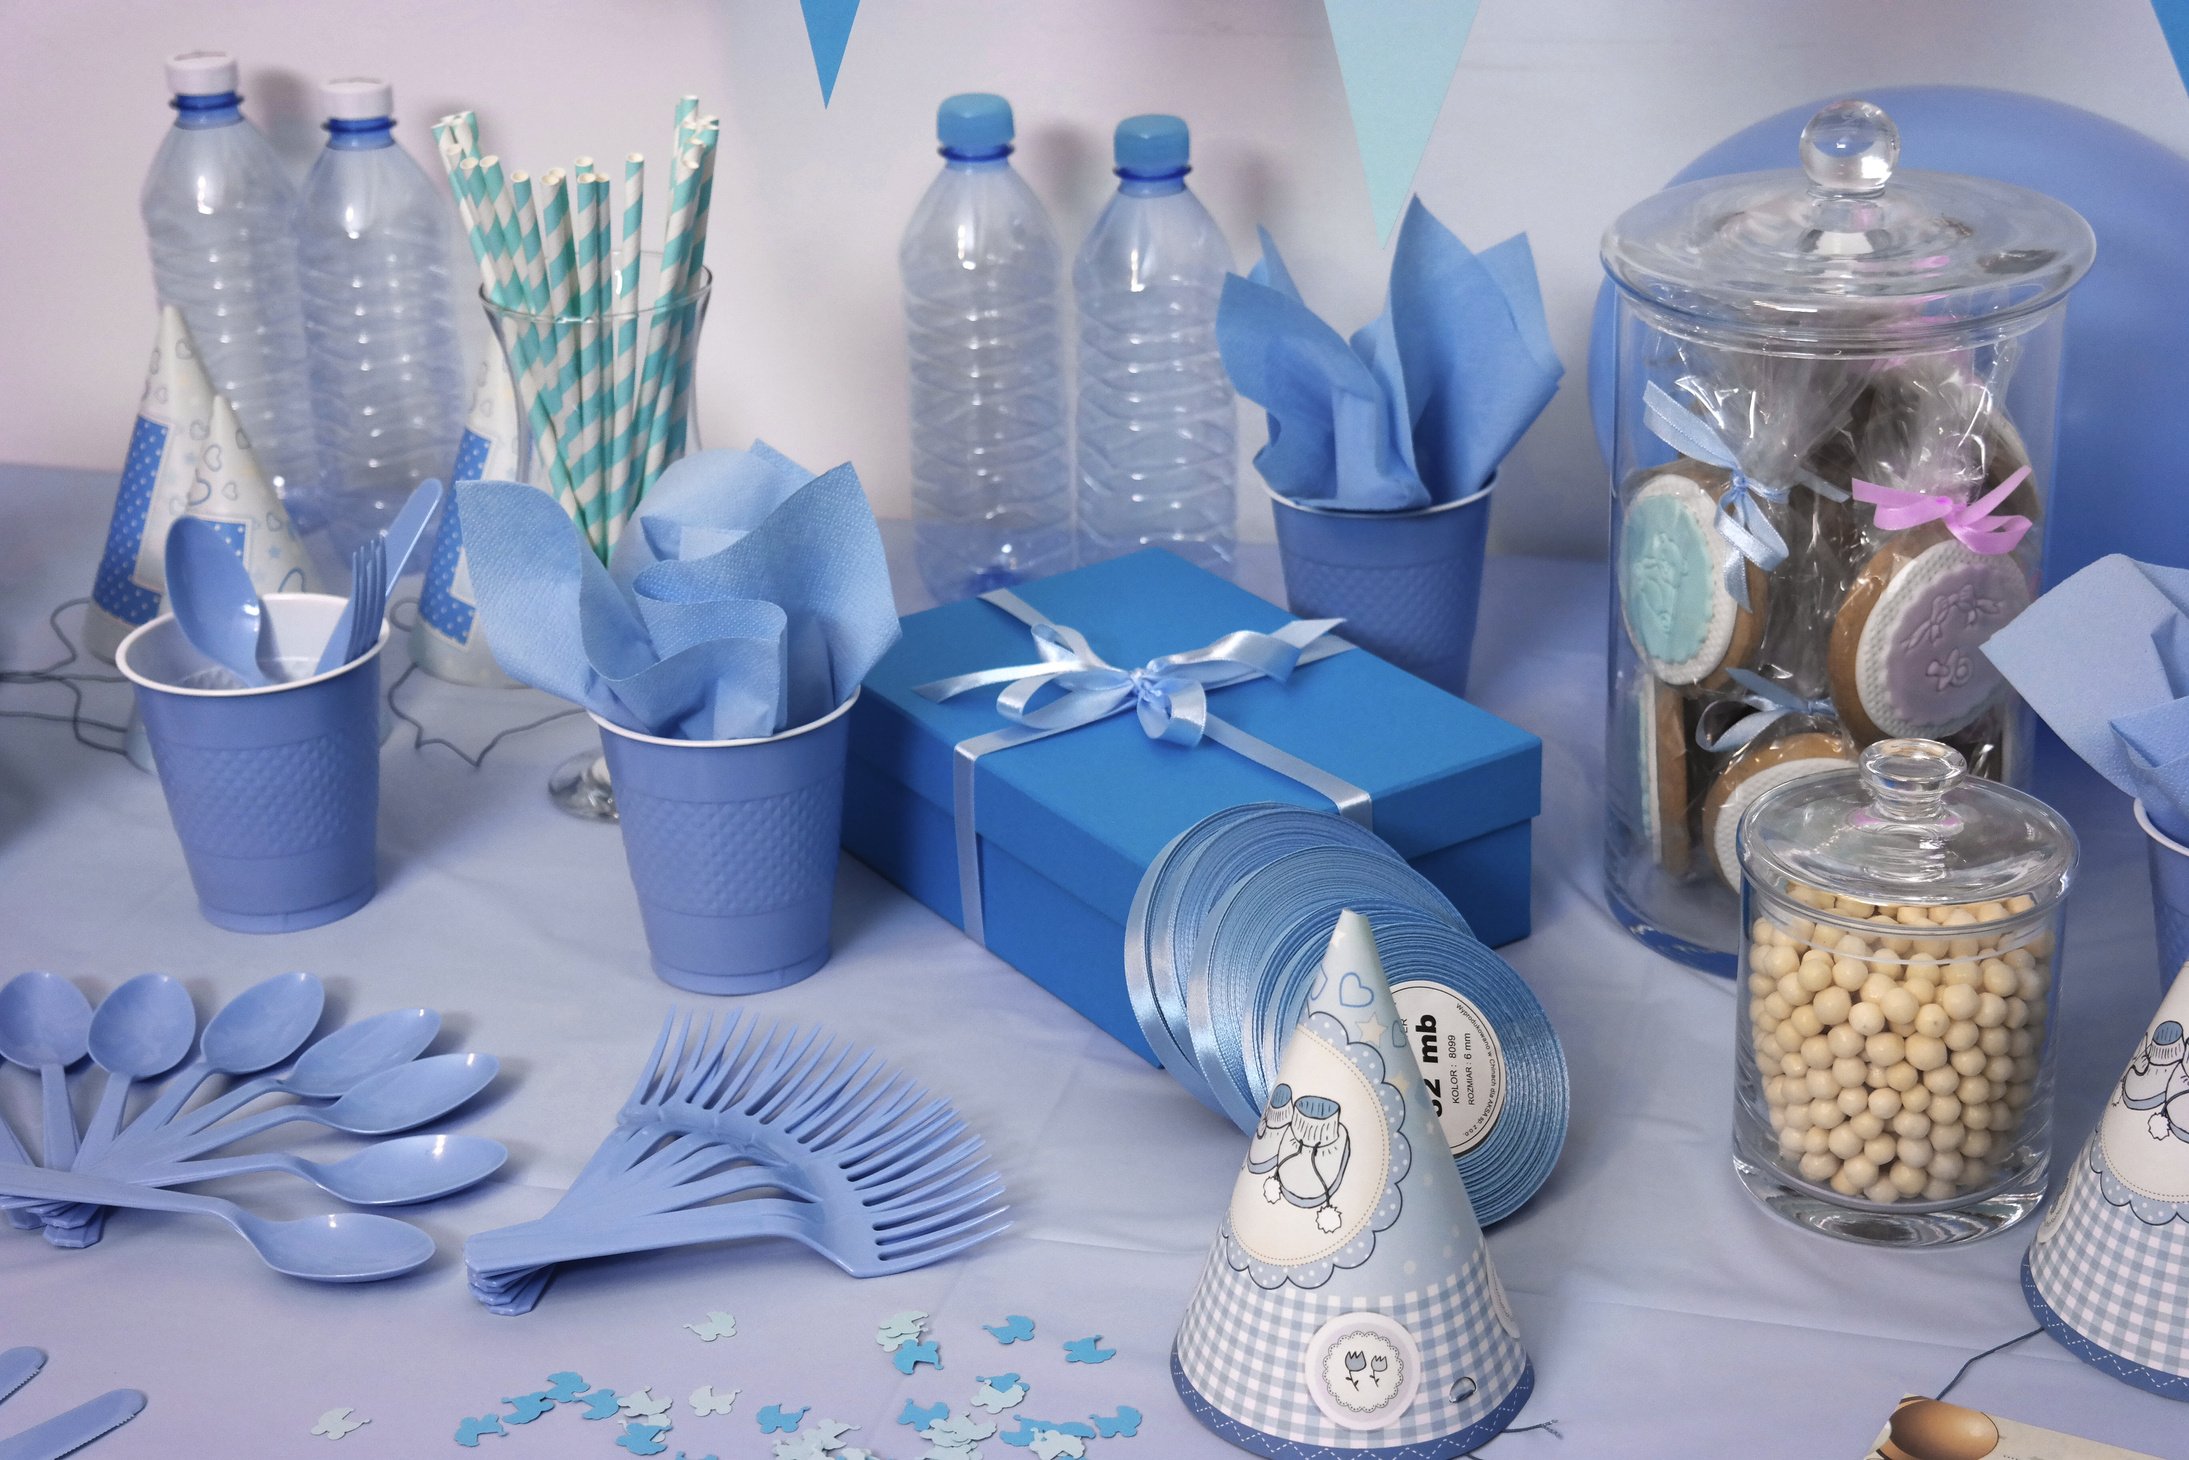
991 478
1158 431
379 314
220 214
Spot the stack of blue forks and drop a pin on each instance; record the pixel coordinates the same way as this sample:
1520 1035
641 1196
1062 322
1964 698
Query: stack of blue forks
756 1131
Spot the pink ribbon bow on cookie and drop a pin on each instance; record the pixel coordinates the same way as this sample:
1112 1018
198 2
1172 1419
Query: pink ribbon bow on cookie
1970 522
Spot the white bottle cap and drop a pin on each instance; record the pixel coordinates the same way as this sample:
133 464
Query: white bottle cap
201 73
357 99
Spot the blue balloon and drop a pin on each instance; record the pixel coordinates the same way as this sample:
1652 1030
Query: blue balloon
2123 467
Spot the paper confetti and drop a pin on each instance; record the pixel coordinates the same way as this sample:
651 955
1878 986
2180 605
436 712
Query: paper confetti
336 1423
526 1408
602 1404
912 1355
920 1417
468 1431
1003 1391
1125 1422
706 1401
961 1431
642 1439
718 1325
1087 1351
774 1419
565 1387
643 1405
1015 1329
1057 1445
900 1330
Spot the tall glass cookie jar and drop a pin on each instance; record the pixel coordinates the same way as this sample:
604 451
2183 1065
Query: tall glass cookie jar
1893 1052
1832 452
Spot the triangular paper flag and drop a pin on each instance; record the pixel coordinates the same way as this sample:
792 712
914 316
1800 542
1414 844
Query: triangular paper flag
2111 1260
2174 24
1349 1305
447 641
1398 58
188 454
828 31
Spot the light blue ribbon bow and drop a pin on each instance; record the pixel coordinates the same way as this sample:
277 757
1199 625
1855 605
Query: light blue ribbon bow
1769 702
1740 520
1169 694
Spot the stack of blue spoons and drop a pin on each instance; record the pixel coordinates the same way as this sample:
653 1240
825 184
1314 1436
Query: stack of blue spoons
1224 939
366 1078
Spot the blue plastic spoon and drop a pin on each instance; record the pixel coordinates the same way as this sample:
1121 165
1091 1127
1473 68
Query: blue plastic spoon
259 1028
45 1024
215 601
141 1031
341 1247
387 1173
332 1067
393 1100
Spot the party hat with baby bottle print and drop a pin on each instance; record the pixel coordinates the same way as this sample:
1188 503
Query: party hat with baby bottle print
1349 1308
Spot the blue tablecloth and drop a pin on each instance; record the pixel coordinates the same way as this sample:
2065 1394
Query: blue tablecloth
1666 1313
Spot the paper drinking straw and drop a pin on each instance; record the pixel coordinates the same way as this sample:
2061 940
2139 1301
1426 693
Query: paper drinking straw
558 263
706 131
662 350
625 386
531 266
585 445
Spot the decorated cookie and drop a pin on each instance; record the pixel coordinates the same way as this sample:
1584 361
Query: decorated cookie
1662 765
1672 564
1756 769
1904 658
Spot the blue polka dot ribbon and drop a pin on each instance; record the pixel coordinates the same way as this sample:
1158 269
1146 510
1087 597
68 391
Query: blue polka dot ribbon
1768 702
1169 694
1740 520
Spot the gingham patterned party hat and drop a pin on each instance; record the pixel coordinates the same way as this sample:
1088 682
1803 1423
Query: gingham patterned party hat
448 641
1349 1308
2109 1271
187 456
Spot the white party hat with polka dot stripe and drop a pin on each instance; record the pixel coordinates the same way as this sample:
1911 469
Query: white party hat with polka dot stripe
187 456
1349 1307
448 641
2109 1271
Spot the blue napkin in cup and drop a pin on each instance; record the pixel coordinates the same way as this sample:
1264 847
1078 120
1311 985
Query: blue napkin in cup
1421 405
2104 659
748 596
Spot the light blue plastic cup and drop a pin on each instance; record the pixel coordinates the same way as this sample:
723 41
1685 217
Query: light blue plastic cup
733 847
1407 584
274 792
2169 862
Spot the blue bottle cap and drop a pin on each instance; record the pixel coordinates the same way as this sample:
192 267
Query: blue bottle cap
974 124
1152 146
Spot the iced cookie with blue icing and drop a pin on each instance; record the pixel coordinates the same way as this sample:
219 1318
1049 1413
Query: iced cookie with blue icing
1673 564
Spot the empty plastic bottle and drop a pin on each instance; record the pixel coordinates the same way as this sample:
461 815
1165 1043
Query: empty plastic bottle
379 312
220 215
991 478
1158 430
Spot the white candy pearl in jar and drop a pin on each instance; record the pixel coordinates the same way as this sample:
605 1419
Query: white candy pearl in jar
1893 1080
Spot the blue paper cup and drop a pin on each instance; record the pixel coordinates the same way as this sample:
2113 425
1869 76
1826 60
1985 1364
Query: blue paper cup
1407 584
2169 862
273 791
733 846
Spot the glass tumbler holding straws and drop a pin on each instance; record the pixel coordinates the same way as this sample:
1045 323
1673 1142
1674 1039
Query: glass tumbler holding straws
604 406
1832 458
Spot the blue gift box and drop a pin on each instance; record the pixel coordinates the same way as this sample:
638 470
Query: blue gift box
1066 825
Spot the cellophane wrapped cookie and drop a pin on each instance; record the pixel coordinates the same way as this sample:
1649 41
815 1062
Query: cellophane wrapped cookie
1831 444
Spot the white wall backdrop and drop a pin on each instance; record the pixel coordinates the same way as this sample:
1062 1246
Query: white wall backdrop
1563 112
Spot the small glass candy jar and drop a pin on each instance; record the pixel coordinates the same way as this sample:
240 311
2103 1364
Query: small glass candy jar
1831 455
1893 1046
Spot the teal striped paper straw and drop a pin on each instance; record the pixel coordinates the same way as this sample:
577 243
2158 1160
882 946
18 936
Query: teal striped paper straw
527 254
686 108
559 260
625 387
706 131
585 445
662 349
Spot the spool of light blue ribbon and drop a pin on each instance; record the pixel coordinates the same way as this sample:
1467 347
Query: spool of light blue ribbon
1228 931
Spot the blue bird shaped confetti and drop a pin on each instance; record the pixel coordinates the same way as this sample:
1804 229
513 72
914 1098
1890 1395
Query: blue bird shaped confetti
776 1420
920 1416
1126 1423
1087 1351
1015 1329
469 1431
912 1355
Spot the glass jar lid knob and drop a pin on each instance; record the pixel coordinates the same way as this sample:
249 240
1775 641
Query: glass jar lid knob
1849 148
1907 782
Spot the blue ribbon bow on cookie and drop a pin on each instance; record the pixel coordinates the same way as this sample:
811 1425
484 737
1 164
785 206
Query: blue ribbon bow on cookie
1740 520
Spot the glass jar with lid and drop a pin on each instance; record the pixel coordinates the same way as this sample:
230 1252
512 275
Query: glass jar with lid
1893 1050
1832 450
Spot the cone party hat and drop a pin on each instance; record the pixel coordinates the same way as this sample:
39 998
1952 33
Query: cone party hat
1349 1308
2110 1266
447 641
187 456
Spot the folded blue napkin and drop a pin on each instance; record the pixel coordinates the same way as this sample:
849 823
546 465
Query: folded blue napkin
2104 659
1424 402
748 596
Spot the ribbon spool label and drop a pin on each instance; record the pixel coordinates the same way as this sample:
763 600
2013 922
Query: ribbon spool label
1460 1057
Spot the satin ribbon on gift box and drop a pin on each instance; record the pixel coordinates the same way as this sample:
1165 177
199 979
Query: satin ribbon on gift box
1169 695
